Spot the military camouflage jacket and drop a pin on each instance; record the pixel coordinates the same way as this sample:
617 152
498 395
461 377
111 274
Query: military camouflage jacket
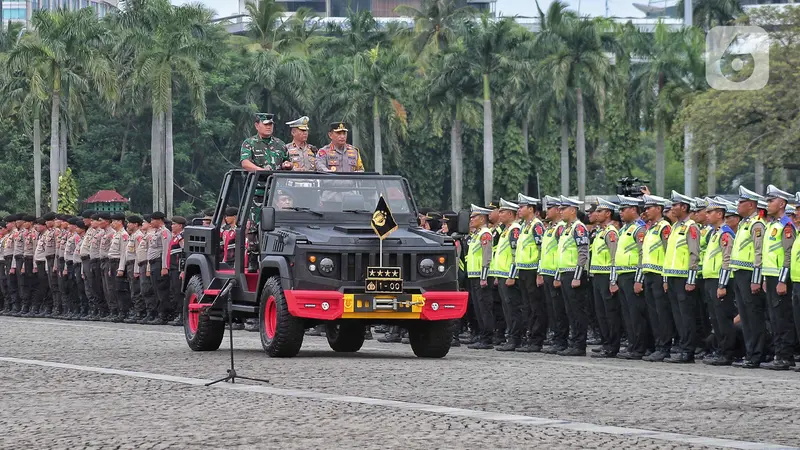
302 158
266 153
347 159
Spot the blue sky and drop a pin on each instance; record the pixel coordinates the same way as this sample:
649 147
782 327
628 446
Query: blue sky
622 8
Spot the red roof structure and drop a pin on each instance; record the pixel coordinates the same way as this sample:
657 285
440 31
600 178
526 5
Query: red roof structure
107 196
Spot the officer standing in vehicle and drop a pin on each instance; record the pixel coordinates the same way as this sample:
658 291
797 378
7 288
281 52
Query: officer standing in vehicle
778 240
301 154
746 262
339 156
264 151
571 277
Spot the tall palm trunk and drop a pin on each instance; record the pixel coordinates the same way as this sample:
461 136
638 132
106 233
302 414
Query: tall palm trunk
456 163
37 160
169 159
564 157
580 147
62 153
689 166
711 178
660 160
376 138
759 173
526 149
156 160
488 142
54 145
356 137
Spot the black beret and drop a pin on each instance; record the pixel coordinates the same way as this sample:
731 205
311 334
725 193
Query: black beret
231 211
29 218
104 215
95 216
180 220
88 213
74 221
158 215
14 217
63 217
147 218
135 219
82 226
49 216
208 212
118 216
40 221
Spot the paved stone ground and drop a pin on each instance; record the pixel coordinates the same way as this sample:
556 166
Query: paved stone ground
51 407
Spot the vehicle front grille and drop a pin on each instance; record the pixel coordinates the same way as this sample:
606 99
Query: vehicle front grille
355 264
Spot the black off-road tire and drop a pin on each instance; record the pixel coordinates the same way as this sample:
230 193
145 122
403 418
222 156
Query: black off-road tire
345 336
431 339
209 333
281 336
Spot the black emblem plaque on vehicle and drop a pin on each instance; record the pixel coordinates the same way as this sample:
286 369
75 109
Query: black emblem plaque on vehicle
384 280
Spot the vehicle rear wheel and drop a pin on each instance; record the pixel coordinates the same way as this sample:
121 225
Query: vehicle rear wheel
281 333
431 339
202 333
345 336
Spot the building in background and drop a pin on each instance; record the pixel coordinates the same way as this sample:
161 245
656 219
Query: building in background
379 8
107 201
668 8
16 11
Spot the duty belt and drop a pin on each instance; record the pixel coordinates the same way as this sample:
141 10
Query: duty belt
151 261
744 264
84 258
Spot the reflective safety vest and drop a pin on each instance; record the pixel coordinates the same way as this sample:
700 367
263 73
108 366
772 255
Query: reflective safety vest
548 263
504 255
568 249
704 232
528 254
496 233
743 255
601 254
626 259
653 249
676 259
773 247
794 270
475 254
712 259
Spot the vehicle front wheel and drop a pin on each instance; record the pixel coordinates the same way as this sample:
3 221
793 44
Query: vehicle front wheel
281 333
431 339
202 333
345 336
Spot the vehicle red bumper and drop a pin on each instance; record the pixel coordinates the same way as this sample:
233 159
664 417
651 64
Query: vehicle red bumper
331 305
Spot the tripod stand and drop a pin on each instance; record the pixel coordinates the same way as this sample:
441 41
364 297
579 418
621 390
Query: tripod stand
232 375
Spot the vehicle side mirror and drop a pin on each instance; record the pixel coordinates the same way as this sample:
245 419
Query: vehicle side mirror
463 222
267 218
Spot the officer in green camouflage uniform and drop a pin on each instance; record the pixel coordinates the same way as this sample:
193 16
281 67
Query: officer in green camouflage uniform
264 151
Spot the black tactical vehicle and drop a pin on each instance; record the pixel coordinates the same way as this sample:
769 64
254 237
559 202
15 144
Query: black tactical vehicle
305 253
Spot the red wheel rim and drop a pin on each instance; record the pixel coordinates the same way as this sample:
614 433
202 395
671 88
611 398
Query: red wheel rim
271 317
194 315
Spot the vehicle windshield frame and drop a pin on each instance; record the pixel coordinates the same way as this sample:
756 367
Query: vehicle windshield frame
276 179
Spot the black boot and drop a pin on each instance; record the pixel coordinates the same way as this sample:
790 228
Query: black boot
251 325
178 321
510 345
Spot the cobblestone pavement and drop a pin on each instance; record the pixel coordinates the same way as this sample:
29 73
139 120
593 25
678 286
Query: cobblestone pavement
161 402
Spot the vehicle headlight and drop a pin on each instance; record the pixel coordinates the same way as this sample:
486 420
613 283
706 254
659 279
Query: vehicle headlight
426 267
326 266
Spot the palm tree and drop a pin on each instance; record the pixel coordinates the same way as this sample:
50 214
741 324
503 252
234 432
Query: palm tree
380 73
490 43
168 52
436 23
66 47
659 80
707 14
575 62
266 21
302 33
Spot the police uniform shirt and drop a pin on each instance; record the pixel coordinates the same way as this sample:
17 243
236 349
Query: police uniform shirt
345 159
68 249
94 248
31 241
692 241
19 248
130 249
40 249
86 242
105 242
76 257
49 238
116 248
159 247
142 246
302 157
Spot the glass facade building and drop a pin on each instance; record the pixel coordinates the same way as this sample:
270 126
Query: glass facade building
379 8
16 10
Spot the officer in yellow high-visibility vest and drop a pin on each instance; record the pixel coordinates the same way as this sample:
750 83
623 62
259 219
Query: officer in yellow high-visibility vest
778 241
681 263
548 267
500 325
606 303
732 217
626 267
791 211
571 277
794 270
479 258
746 262
504 269
718 289
651 279
699 215
529 249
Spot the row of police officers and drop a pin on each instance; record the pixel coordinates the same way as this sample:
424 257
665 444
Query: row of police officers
97 266
676 279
